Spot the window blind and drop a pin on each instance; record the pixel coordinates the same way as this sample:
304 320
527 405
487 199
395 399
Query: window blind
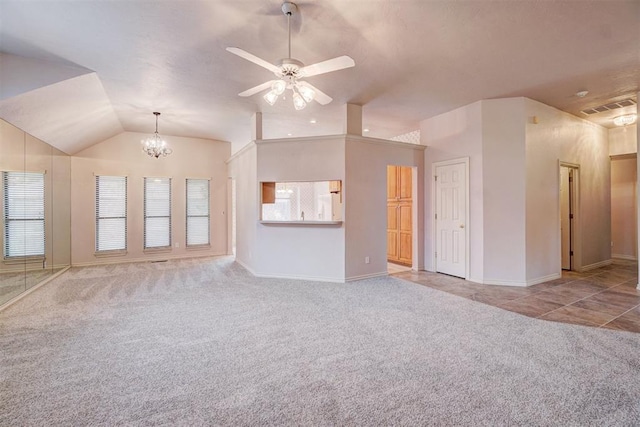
111 213
157 212
197 212
23 214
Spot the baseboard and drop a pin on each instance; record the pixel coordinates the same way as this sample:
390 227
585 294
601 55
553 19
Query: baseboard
543 279
529 282
366 276
245 266
36 287
158 257
296 277
628 257
595 265
494 282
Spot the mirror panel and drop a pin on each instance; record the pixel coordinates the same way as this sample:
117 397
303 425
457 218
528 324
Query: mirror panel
36 180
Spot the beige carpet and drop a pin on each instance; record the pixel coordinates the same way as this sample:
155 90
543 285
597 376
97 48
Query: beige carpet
202 342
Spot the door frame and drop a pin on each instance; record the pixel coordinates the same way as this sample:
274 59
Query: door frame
576 229
415 245
434 237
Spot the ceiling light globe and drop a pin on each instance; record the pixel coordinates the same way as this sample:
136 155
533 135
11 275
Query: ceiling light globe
625 120
298 102
278 86
271 97
307 93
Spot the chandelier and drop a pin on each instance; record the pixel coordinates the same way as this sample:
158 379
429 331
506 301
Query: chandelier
154 145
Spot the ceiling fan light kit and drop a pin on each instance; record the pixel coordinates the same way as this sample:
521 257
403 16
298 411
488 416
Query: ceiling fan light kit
290 72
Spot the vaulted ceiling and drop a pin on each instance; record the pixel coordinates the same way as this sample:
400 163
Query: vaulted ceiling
76 72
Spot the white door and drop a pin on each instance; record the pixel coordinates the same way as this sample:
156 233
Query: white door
451 209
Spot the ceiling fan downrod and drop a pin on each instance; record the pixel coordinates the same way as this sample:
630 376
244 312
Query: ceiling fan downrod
289 8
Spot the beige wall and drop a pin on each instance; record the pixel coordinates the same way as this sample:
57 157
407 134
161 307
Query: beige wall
333 252
243 170
365 195
514 232
122 155
624 233
561 137
309 252
449 136
623 140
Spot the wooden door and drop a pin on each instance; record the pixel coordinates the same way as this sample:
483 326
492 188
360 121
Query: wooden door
451 201
399 215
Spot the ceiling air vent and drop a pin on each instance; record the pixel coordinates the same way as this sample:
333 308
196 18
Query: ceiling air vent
612 106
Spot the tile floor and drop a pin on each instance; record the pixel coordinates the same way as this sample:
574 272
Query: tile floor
605 297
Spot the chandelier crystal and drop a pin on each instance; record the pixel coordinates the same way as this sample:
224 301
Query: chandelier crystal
155 146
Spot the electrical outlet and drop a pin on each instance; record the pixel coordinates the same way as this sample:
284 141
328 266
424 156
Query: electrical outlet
176 245
366 260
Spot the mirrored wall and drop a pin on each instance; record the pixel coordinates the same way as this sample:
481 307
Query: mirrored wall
35 215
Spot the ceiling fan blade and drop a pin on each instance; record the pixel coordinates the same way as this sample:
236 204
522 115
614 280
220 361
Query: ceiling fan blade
249 57
256 89
335 64
320 97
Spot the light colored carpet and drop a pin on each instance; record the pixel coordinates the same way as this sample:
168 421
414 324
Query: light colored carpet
202 342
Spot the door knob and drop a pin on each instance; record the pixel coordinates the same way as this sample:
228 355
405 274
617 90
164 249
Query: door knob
461 225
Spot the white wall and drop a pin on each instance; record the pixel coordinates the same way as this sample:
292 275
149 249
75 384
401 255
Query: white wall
365 193
243 169
503 178
623 140
301 251
559 136
514 233
454 135
624 233
122 155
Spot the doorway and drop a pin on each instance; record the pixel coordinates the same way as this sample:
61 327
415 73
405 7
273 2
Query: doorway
568 214
451 204
400 217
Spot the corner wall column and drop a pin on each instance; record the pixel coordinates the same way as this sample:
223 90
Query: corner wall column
353 119
638 177
256 126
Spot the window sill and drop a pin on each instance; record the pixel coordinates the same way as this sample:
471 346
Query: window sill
114 253
198 247
24 259
157 250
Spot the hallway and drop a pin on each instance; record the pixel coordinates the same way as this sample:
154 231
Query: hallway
605 297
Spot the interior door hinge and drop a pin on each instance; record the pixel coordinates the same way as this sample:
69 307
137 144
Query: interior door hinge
435 177
436 216
570 253
436 254
570 216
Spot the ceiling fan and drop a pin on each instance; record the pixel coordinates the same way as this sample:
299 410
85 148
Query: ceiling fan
290 72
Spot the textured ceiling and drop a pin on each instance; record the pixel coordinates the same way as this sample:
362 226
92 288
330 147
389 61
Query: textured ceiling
414 59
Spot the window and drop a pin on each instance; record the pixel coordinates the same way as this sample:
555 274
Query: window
111 213
197 212
157 213
23 214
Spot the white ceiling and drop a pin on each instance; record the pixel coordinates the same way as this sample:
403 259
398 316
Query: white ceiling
414 59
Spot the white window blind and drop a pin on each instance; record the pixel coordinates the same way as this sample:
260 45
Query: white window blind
197 212
111 213
23 214
157 212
